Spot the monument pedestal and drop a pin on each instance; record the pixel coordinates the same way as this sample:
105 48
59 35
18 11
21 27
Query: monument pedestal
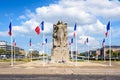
60 54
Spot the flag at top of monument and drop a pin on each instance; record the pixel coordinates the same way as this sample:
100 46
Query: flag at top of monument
42 25
37 29
75 27
10 29
107 28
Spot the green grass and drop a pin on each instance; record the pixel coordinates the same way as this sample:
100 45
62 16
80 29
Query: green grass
18 60
5 60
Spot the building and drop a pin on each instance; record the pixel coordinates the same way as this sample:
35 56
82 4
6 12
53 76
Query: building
101 53
7 47
106 48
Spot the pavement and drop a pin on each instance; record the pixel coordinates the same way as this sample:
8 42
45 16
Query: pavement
82 68
59 77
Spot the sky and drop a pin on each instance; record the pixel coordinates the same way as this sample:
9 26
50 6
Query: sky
91 17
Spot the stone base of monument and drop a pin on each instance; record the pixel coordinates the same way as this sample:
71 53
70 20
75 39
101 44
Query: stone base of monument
60 55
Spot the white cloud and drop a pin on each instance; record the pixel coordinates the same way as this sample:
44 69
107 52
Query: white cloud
4 33
76 11
86 13
22 17
107 9
92 42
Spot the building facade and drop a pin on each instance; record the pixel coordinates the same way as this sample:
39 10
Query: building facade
101 53
7 47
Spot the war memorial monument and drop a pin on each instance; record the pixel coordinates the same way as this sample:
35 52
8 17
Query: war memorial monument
60 50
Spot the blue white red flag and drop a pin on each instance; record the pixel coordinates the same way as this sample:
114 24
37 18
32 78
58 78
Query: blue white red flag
86 41
14 42
30 42
42 25
37 30
10 29
107 29
46 40
75 28
72 40
103 43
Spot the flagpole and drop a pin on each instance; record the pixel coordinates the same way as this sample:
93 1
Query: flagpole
43 49
110 49
31 52
76 49
104 53
88 52
71 51
14 53
47 52
11 52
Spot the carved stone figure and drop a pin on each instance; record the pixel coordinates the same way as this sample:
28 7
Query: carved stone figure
60 46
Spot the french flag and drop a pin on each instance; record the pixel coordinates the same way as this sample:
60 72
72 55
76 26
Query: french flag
46 40
14 42
10 29
86 41
37 30
42 25
72 40
30 43
75 28
103 43
107 29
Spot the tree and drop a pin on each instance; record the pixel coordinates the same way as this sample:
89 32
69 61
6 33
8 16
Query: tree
2 51
35 54
108 51
81 54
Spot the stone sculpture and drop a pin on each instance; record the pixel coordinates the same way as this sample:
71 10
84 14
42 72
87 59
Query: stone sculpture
60 50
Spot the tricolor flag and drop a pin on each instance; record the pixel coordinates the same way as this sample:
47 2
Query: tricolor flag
107 29
42 25
37 30
10 29
72 40
75 28
103 43
30 43
14 42
86 41
46 40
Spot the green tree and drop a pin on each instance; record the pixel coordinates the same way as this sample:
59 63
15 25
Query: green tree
81 54
108 51
35 54
2 51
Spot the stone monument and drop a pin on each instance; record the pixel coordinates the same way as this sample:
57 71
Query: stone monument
60 50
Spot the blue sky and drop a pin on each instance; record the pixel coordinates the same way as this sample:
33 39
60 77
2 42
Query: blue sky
91 17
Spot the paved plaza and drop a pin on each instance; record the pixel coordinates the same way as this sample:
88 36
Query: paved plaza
36 70
82 68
